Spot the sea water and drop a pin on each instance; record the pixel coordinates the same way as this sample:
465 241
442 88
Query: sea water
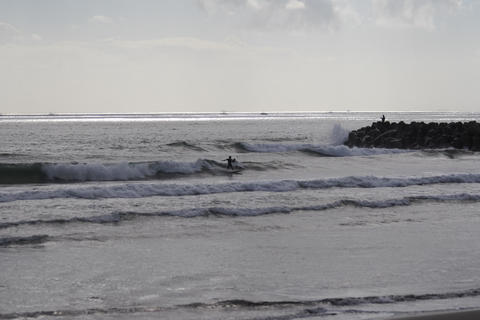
136 217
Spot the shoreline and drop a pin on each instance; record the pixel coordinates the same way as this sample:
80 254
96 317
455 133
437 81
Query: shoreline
447 315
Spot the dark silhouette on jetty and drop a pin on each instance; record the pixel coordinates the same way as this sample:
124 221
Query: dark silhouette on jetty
417 135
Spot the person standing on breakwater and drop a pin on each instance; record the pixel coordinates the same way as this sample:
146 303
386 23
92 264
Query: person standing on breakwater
230 161
383 118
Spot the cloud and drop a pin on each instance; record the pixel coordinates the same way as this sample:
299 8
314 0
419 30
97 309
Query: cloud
230 47
277 14
36 37
173 42
215 6
306 15
8 33
11 35
347 13
101 19
411 13
294 5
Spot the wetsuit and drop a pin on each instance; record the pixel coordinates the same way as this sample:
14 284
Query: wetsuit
230 161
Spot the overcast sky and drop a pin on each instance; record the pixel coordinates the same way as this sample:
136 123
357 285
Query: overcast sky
239 55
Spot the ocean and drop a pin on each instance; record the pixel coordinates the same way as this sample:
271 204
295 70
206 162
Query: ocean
135 216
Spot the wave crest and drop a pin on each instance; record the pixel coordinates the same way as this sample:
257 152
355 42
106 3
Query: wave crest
185 145
315 149
117 217
141 190
35 239
80 172
308 308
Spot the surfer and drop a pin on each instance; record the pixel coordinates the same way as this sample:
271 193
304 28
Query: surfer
383 118
230 161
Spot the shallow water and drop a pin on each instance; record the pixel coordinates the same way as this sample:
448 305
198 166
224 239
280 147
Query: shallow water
136 217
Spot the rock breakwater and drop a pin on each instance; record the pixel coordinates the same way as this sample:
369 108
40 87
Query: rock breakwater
417 135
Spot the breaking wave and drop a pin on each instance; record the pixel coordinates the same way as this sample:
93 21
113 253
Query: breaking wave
316 149
18 173
141 190
185 145
449 153
339 135
35 239
293 309
117 217
10 155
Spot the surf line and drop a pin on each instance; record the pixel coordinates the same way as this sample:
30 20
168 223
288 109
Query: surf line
117 217
142 190
237 304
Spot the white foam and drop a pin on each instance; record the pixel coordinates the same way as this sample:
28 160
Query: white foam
338 135
96 172
117 217
376 204
320 149
139 190
120 171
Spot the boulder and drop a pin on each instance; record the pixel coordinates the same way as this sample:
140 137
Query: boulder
417 135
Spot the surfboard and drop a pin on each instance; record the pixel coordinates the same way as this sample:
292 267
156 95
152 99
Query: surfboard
234 171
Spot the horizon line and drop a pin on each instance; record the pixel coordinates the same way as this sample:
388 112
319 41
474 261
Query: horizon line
53 114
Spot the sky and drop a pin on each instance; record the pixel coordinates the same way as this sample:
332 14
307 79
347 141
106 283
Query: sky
71 56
